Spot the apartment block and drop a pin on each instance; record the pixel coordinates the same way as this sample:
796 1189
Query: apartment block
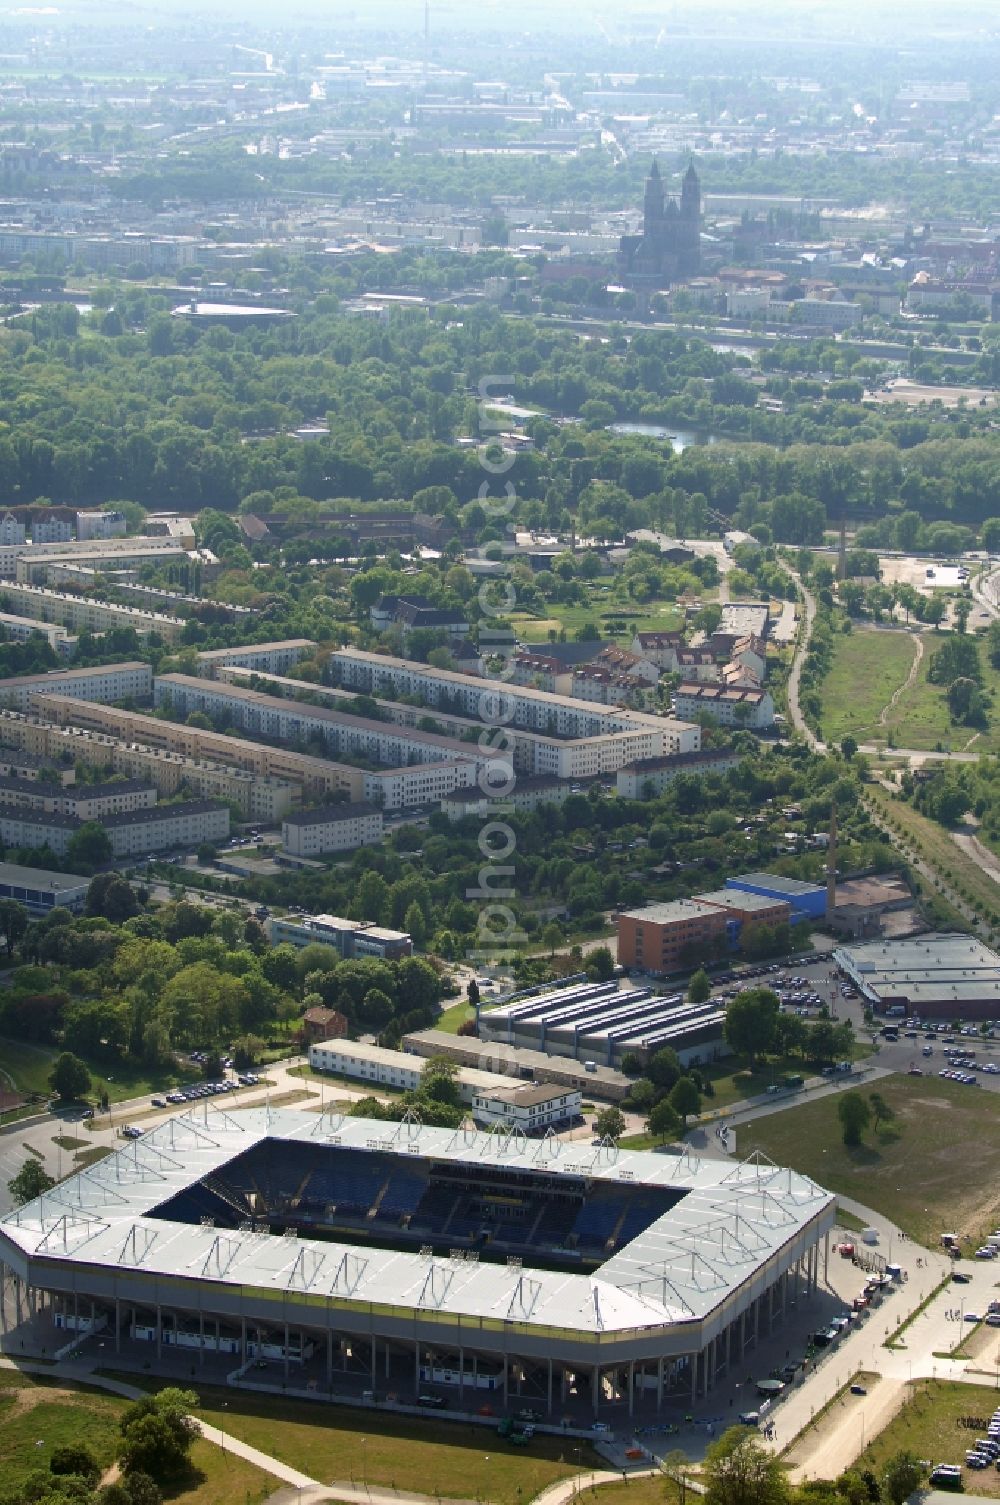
650 776
53 540
532 753
137 833
315 776
331 828
91 525
20 629
295 721
86 801
133 833
730 705
661 937
258 797
272 658
106 683
83 614
488 701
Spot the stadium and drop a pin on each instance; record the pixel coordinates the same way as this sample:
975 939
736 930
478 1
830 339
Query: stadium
403 1262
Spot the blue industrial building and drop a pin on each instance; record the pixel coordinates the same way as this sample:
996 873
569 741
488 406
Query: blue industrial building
808 900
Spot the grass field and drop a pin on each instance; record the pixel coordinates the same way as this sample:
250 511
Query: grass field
655 616
438 1458
867 667
928 1425
459 1013
934 1167
38 1416
920 717
29 1065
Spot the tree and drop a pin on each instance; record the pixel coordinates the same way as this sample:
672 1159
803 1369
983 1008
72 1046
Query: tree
415 924
157 1433
30 1182
69 1077
849 747
472 992
700 987
13 923
610 1124
738 1471
664 1122
600 964
685 1098
901 1476
552 937
855 1116
75 1458
89 847
439 1080
750 1021
882 1112
664 1067
112 897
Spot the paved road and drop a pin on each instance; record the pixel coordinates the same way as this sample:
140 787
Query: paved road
795 673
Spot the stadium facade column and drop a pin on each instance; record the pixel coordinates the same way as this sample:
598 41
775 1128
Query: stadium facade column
159 1330
694 1377
118 1325
631 1387
3 1289
329 1358
461 1373
374 1358
416 1366
729 1347
506 1375
826 1257
595 1385
659 1383
201 1335
548 1390
243 1340
286 1353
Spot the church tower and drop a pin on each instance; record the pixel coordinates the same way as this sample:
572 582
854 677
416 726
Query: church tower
652 206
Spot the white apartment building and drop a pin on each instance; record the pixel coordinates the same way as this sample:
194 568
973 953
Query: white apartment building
485 700
11 531
296 721
105 683
20 629
637 780
525 796
91 525
258 797
532 1108
136 833
86 801
421 784
730 705
271 658
534 754
396 1068
83 614
53 540
331 828
133 833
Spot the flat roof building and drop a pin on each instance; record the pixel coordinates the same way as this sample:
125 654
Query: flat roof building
41 891
352 938
808 900
103 683
663 938
331 828
934 976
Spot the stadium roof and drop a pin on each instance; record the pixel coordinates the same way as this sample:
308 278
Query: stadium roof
731 1218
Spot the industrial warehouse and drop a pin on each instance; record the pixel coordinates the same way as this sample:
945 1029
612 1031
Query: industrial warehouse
945 976
398 1255
600 1022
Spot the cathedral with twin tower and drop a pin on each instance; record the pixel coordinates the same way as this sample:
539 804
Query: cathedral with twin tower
669 248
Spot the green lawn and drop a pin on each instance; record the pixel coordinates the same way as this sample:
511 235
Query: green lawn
928 1425
28 1066
451 1018
867 667
920 718
39 1415
424 1455
935 845
934 1167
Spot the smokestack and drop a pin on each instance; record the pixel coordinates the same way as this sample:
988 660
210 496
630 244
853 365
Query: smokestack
831 866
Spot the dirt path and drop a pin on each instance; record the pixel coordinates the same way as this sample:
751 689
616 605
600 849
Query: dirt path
908 682
981 856
824 1453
